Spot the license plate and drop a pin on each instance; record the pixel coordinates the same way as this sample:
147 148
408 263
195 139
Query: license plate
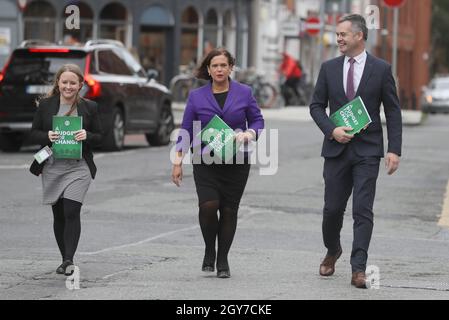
38 89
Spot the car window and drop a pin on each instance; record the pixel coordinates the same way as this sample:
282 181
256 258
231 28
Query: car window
93 63
39 67
442 84
132 63
109 62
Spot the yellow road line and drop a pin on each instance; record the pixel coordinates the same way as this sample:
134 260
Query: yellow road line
444 219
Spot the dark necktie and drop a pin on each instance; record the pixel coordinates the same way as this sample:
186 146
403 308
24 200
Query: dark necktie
350 92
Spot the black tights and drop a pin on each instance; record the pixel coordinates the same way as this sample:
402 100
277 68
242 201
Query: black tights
67 226
224 228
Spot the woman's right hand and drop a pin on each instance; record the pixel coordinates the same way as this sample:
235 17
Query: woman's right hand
176 174
53 136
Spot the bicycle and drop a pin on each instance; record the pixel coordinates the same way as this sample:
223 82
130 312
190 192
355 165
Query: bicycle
264 92
181 84
303 95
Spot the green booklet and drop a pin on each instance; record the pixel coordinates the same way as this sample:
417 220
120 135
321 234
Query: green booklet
353 114
219 137
66 147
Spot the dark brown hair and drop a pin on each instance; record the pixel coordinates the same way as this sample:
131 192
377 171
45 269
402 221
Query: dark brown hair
202 73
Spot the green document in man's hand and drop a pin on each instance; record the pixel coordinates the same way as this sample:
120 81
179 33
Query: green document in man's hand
220 138
66 147
353 114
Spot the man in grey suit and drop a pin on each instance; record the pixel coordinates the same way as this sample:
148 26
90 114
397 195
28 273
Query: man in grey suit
351 162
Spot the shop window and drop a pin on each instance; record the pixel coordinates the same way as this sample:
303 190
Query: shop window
39 20
229 33
113 22
189 37
210 30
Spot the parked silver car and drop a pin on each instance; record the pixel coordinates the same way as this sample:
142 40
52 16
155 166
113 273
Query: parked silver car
435 97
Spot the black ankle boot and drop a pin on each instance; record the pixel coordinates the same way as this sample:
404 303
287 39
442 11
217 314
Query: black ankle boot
223 270
63 268
208 265
225 273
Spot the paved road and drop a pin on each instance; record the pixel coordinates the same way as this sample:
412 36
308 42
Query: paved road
140 236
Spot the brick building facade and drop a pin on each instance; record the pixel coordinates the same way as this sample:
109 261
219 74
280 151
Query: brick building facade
414 48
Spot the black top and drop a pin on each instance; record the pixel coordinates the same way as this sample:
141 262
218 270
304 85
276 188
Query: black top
221 98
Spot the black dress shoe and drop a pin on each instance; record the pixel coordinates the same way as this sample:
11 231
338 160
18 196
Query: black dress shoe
223 273
63 268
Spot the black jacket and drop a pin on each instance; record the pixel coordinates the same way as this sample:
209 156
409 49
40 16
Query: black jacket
42 123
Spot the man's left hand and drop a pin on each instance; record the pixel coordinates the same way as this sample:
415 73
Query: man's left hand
391 162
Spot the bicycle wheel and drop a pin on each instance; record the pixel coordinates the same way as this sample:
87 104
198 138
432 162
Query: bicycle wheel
266 95
181 89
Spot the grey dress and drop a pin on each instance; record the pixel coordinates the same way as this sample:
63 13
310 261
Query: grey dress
65 178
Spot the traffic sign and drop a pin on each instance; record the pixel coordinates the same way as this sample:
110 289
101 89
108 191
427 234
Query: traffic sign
313 26
22 4
394 3
290 28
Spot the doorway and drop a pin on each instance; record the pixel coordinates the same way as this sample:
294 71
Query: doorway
153 48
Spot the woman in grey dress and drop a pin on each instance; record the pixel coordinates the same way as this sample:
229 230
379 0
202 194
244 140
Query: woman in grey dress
66 181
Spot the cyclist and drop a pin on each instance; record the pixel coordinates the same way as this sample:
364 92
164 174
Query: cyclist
292 71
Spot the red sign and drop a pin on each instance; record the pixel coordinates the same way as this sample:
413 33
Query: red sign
22 4
394 3
313 26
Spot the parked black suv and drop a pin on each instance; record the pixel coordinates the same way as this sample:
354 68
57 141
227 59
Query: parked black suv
129 101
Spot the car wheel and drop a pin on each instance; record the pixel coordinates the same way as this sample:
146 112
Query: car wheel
10 142
114 140
165 127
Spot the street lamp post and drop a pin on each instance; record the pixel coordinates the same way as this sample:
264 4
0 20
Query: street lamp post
320 39
22 5
395 4
395 41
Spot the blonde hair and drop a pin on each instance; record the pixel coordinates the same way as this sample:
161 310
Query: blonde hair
69 67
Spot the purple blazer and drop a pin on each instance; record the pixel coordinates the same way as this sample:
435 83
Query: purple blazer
239 112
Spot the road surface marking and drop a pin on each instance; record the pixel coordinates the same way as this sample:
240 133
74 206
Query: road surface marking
14 166
162 235
444 219
141 242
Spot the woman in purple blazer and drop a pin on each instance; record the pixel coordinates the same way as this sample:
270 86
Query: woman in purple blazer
219 186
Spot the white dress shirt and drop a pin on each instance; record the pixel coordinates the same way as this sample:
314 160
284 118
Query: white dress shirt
359 65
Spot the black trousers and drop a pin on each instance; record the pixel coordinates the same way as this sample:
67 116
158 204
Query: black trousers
350 173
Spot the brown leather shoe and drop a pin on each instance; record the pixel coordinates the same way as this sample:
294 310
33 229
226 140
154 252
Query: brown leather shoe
359 279
327 267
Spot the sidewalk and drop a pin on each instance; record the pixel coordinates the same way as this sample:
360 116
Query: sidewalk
301 114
